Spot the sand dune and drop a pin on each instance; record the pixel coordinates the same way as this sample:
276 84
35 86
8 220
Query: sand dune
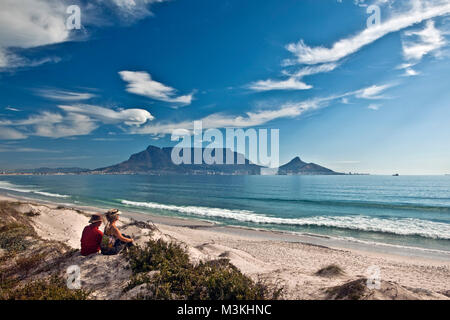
293 264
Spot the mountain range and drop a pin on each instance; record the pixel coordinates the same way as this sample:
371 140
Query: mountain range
155 160
158 161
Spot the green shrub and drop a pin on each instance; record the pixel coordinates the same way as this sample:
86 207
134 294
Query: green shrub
13 236
53 288
180 279
156 255
25 264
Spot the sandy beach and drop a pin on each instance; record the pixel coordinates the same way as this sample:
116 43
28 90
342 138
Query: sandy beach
291 260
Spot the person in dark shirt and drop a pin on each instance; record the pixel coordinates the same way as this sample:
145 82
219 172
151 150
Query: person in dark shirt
92 236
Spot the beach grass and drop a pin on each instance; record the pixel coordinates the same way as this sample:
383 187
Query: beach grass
177 278
52 288
332 270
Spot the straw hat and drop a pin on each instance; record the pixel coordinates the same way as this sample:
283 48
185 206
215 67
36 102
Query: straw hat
112 213
95 218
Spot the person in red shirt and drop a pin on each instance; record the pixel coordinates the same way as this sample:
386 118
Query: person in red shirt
92 236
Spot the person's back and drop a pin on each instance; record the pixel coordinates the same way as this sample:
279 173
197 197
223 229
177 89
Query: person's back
91 237
114 241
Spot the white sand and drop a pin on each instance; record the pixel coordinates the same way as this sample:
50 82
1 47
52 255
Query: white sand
294 264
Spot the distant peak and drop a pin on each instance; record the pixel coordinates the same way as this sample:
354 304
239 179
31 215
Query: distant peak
296 159
150 147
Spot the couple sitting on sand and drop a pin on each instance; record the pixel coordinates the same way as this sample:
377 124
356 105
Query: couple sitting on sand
111 242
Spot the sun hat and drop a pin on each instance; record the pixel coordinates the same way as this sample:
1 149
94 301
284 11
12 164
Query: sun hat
112 212
95 218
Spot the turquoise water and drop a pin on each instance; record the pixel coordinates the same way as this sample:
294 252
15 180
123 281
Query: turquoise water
405 210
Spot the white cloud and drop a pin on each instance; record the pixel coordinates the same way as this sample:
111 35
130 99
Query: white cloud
57 126
420 11
141 83
63 95
372 92
27 24
293 82
409 72
10 134
131 10
429 39
23 149
33 23
130 117
75 121
219 120
310 70
289 84
374 107
12 109
53 125
405 66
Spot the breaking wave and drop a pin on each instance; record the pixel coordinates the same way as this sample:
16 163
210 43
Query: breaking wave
398 226
12 187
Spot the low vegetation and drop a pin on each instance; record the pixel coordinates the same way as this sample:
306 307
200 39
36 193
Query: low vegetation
178 278
332 270
53 288
25 256
30 268
14 237
16 231
353 290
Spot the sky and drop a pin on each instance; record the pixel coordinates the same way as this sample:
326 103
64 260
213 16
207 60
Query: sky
353 85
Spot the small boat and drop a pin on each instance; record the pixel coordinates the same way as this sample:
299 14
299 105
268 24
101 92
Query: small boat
395 175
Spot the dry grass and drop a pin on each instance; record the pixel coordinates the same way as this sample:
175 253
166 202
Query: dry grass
332 270
353 290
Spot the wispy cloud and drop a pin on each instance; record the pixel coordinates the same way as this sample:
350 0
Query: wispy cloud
373 92
294 81
64 95
289 84
429 40
76 120
221 120
10 134
18 149
421 11
256 118
131 9
32 23
12 109
374 107
410 72
27 24
130 117
141 83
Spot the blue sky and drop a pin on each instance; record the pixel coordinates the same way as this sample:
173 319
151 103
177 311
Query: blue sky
343 94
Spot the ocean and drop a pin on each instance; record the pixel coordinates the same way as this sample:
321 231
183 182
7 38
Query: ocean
412 211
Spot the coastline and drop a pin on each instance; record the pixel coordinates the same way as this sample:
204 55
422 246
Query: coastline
288 258
261 234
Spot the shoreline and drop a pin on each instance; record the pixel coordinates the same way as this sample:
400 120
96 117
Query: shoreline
278 257
261 233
